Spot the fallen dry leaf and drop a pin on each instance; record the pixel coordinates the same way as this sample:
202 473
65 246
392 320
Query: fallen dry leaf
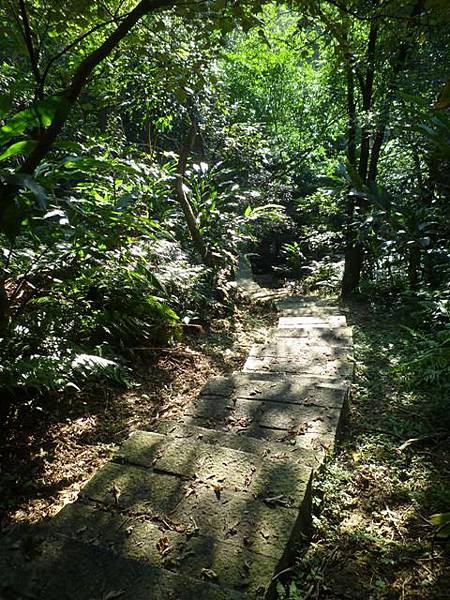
249 477
217 487
113 594
209 574
163 545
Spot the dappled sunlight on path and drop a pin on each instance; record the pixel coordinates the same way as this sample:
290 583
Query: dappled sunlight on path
209 506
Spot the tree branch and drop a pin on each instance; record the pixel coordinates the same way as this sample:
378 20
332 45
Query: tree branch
27 36
75 42
48 136
367 93
183 200
385 113
82 74
365 17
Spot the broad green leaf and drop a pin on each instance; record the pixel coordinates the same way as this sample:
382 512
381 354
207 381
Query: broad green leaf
40 115
444 97
30 183
23 148
354 176
442 522
439 518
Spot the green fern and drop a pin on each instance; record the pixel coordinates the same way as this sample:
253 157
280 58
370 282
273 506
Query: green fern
431 362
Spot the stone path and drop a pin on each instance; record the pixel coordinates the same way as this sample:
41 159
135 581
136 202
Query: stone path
209 507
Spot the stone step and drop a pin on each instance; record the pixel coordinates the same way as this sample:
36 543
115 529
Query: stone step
276 387
301 348
336 336
240 441
311 311
249 286
176 518
205 511
321 322
320 366
209 508
309 427
306 301
301 411
200 509
233 470
198 516
167 545
63 567
267 295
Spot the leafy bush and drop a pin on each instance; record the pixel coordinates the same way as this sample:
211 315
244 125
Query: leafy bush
62 370
431 357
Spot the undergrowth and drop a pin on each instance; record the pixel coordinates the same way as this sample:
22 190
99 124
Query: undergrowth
376 533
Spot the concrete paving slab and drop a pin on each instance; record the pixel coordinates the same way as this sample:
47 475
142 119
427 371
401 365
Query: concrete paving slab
313 365
312 301
222 466
293 322
166 545
311 311
320 335
301 348
251 415
303 437
208 502
67 569
263 448
276 387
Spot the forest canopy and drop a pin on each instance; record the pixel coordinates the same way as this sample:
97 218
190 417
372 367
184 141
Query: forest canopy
144 146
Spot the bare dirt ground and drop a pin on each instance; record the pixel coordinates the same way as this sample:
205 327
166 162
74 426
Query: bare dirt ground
47 454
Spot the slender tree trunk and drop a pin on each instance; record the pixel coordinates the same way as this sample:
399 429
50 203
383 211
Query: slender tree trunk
353 250
351 112
376 152
4 308
191 220
414 267
352 270
367 95
398 67
369 157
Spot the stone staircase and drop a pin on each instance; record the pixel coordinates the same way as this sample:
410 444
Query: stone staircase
209 507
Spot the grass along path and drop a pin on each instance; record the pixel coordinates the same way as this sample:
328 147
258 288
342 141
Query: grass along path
372 539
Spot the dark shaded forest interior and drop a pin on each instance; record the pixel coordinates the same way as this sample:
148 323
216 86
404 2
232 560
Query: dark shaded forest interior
148 151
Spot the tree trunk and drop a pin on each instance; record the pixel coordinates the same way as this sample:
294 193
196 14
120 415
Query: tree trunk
4 308
352 270
351 111
369 158
398 67
367 95
353 250
186 207
413 267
